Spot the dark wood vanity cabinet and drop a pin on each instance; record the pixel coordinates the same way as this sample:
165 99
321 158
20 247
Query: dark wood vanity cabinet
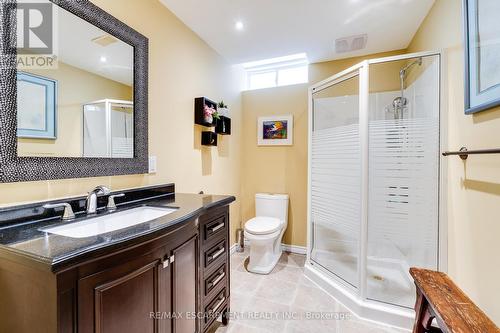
214 258
150 288
175 280
141 295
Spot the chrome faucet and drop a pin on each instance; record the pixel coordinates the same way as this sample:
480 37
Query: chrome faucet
92 198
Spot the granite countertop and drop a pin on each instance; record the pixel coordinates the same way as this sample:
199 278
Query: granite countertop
27 241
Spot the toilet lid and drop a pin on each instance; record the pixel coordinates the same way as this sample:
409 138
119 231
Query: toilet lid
263 225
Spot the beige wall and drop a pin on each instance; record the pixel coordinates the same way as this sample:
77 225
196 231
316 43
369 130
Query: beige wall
182 67
283 169
473 187
75 87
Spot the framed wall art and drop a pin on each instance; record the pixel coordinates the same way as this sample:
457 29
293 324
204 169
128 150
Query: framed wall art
36 106
275 131
482 49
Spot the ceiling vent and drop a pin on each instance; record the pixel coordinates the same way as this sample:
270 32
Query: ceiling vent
105 40
352 43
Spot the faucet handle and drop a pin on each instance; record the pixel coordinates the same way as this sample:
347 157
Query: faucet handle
111 201
68 211
101 189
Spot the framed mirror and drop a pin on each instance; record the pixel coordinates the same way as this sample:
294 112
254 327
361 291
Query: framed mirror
74 84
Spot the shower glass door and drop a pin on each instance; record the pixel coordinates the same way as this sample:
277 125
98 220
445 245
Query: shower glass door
336 178
403 184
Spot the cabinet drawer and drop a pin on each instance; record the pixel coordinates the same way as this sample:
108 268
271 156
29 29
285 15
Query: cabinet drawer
215 252
216 279
215 227
213 309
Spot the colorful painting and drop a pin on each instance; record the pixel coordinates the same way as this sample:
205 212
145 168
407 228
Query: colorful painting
276 130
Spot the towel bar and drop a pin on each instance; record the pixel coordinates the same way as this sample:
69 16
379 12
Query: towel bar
463 153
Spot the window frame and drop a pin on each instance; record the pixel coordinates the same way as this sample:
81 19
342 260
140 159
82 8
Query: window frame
276 67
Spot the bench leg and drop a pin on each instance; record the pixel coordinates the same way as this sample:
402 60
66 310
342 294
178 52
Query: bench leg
423 317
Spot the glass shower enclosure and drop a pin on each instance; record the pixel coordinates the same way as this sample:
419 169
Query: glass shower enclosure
374 177
108 129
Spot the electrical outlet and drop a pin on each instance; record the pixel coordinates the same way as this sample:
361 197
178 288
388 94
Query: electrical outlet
152 164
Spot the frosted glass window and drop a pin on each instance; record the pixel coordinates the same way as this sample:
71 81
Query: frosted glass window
283 71
294 75
262 80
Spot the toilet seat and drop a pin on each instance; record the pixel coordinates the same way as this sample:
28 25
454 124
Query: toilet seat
262 225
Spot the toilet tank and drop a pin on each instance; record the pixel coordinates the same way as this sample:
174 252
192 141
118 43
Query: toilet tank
272 205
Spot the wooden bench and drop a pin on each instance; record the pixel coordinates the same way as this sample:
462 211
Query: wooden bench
438 297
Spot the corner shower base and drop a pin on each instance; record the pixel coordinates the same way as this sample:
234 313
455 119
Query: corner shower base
368 310
388 280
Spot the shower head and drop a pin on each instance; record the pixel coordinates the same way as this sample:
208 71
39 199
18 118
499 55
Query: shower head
400 104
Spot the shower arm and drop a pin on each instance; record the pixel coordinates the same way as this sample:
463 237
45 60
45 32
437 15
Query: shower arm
404 71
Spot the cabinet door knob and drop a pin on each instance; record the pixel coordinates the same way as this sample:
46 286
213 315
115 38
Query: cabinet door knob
165 262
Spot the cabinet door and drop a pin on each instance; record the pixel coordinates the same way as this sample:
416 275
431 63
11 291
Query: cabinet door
185 286
120 299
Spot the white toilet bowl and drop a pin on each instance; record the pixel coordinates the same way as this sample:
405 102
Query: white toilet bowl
265 232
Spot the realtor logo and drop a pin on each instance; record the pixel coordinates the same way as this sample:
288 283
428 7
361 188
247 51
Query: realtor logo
33 22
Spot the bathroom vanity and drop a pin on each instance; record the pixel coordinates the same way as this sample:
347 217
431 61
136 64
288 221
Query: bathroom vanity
168 273
143 260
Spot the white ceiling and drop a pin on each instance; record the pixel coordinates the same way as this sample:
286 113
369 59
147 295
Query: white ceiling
274 28
75 48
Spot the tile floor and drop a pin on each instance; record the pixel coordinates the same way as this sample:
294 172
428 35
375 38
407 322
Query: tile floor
260 302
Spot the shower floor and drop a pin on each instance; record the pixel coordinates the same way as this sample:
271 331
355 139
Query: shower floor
388 280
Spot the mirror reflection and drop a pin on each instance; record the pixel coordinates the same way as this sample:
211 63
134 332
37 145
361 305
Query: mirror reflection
83 105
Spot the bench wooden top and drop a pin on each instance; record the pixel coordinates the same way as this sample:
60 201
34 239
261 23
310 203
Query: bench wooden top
454 311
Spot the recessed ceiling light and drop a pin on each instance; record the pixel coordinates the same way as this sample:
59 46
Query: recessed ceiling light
239 25
103 59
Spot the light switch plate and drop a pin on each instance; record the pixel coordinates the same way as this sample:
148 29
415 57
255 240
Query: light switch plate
152 164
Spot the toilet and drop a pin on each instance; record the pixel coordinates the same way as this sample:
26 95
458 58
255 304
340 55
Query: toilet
265 231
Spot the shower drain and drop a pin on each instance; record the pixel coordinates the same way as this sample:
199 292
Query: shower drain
377 277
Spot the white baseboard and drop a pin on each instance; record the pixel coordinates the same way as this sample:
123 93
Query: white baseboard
294 249
285 247
233 248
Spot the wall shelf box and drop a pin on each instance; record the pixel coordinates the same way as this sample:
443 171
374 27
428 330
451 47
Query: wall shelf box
199 105
208 138
223 126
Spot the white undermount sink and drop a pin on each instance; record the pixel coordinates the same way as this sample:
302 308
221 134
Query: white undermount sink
107 223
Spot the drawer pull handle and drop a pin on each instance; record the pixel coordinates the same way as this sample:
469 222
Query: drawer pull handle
216 254
219 226
216 280
219 303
